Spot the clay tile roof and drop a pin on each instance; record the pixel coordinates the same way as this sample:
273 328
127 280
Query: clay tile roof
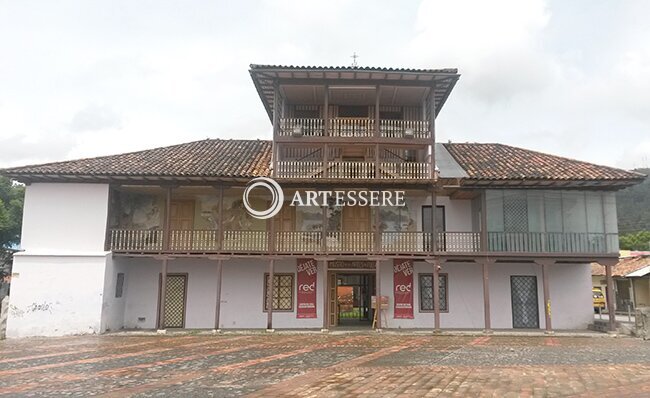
625 266
353 68
210 158
504 162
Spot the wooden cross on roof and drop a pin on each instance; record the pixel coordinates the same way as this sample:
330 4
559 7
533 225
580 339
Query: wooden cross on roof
354 57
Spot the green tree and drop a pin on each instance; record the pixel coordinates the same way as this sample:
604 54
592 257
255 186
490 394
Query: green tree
635 241
11 212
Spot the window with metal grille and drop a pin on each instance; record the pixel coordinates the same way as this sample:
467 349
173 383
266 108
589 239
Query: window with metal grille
426 292
282 292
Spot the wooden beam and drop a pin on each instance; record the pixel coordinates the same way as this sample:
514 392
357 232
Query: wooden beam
167 219
269 297
610 297
547 294
436 295
378 293
217 307
163 292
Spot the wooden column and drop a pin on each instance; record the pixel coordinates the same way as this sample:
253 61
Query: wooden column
611 311
483 232
221 231
217 306
486 294
326 310
377 233
326 112
547 295
276 126
377 95
167 219
432 128
378 293
163 292
436 296
434 234
269 297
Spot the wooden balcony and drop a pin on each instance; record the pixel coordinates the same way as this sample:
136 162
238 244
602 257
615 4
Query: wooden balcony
353 170
353 128
361 242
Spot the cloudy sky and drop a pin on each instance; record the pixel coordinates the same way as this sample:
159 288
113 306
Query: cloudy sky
87 78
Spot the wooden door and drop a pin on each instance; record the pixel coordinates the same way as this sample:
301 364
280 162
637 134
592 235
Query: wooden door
356 218
182 215
357 234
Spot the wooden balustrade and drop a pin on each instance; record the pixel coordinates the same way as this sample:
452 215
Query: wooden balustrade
405 242
351 170
299 169
245 241
552 242
465 242
129 240
405 170
349 242
351 127
399 128
308 127
194 240
298 242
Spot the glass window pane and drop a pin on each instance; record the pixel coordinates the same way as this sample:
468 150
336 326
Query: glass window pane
575 216
553 211
595 222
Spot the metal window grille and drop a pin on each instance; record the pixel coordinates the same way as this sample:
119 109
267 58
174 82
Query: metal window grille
282 292
175 301
426 292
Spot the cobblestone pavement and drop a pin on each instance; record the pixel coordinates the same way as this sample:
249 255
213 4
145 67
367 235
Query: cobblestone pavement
324 365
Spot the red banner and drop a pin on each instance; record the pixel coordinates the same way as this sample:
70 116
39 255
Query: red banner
403 288
307 272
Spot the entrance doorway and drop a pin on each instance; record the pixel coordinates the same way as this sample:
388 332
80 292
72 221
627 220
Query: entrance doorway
350 296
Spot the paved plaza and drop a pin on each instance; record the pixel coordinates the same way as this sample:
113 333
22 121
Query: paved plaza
391 365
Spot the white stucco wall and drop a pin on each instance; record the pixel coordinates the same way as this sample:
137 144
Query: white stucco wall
56 295
113 307
64 218
242 294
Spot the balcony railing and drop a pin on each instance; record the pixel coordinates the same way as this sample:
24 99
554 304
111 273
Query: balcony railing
404 129
357 242
352 170
354 127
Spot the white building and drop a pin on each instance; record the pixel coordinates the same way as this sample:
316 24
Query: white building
161 239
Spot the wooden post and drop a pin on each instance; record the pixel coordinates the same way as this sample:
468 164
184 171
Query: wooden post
276 127
483 232
220 222
326 160
269 297
377 95
377 235
378 294
377 171
436 296
217 307
324 230
326 310
547 295
326 112
432 129
434 232
611 311
163 292
486 294
167 219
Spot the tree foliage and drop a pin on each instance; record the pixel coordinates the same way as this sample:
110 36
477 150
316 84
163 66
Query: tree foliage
635 241
633 206
11 212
